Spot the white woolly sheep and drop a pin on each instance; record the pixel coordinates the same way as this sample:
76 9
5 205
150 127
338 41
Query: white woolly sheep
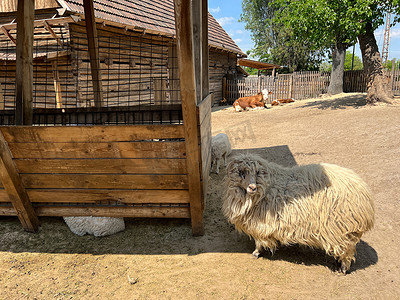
220 149
98 226
320 205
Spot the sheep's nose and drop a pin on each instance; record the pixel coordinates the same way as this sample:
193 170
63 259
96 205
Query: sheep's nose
252 188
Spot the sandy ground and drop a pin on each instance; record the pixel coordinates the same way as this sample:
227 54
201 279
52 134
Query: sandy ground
159 259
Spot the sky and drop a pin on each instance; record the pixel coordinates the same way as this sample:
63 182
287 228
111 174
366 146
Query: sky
227 13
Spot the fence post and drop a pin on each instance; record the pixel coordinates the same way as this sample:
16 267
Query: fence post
224 87
392 73
291 86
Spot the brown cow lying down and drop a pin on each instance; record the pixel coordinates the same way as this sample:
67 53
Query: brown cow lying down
245 103
280 101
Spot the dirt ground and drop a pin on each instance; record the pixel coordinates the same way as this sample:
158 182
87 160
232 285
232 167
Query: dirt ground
159 259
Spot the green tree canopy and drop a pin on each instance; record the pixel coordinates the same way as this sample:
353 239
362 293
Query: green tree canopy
340 23
275 43
357 65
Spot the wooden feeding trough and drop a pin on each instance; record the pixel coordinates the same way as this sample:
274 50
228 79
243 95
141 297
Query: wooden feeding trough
105 167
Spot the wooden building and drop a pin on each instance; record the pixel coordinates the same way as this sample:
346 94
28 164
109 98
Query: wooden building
137 54
106 107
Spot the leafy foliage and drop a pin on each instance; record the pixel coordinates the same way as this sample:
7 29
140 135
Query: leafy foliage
357 65
274 42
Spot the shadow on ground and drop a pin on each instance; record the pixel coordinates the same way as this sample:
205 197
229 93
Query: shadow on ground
344 102
366 256
168 236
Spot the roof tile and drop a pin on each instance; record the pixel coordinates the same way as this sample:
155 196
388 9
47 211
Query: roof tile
155 15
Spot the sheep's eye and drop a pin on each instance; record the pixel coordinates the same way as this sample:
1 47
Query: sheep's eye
262 172
242 174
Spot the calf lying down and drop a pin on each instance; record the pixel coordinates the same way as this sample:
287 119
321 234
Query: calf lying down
256 101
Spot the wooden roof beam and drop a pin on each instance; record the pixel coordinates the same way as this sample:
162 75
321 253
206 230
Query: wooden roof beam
52 33
51 22
7 34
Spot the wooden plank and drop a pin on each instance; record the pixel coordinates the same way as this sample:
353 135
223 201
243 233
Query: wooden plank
101 195
93 43
104 181
24 62
127 212
99 150
4 196
93 134
204 108
102 166
15 189
184 34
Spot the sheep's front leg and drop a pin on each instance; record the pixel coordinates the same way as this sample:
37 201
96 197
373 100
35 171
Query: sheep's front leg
218 162
257 252
224 159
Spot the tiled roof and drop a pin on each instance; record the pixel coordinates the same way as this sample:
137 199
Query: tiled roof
153 15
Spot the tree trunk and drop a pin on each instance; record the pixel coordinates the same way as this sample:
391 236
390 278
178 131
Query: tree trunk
378 89
336 82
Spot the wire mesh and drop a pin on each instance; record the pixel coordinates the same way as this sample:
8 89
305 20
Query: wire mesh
138 78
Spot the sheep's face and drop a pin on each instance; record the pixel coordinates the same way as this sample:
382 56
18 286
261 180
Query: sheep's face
247 175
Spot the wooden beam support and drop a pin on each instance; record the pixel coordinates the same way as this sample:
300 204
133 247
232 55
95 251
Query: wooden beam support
24 64
205 52
51 22
52 33
7 34
184 34
93 44
15 190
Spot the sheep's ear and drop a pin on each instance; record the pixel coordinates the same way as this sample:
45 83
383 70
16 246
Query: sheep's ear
232 166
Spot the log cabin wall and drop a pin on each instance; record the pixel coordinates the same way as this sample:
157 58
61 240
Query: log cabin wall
136 67
139 74
221 64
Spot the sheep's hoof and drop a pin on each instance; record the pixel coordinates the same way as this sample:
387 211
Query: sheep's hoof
256 254
342 269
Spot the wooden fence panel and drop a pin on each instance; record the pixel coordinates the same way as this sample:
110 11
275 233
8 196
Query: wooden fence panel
115 166
299 85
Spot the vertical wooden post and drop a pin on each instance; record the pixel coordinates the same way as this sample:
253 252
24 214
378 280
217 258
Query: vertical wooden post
205 51
2 104
290 86
197 47
224 89
93 44
184 35
392 73
16 192
24 62
57 85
